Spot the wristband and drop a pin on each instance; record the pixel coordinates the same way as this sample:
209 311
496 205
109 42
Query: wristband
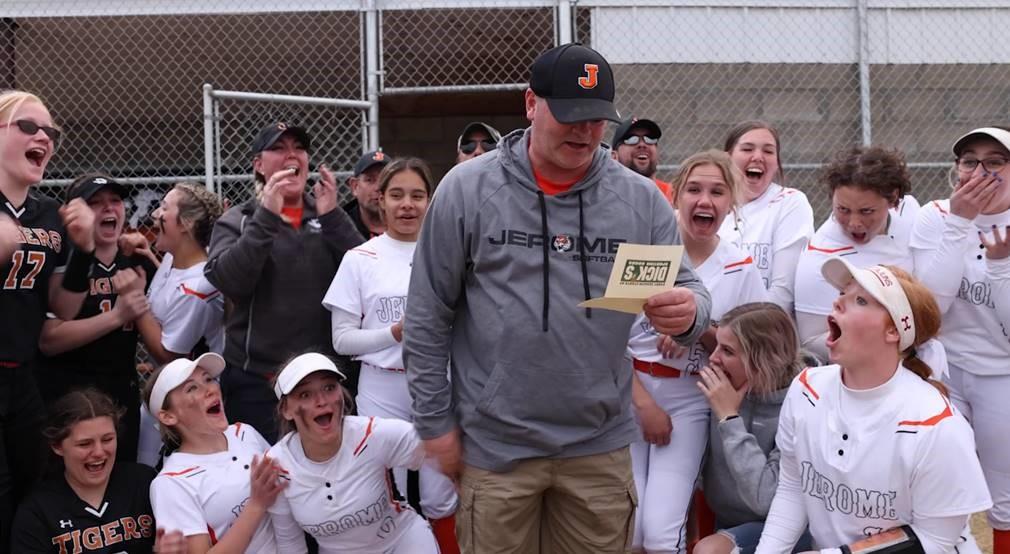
75 277
728 418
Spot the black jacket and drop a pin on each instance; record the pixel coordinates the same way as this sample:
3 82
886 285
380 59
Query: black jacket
276 277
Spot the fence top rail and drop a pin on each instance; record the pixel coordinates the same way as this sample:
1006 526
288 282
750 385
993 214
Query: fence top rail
94 8
786 4
289 99
99 8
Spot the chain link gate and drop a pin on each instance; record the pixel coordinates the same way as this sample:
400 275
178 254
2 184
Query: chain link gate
338 128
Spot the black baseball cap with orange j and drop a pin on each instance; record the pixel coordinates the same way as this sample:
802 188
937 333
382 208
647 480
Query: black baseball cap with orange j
576 82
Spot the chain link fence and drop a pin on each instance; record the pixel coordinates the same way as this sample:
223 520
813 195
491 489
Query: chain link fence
905 74
337 133
124 78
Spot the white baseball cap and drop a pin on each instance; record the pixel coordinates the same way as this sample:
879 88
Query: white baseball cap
883 286
176 372
298 368
999 135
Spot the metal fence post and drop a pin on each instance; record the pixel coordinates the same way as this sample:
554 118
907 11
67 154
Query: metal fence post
865 119
372 71
208 136
564 21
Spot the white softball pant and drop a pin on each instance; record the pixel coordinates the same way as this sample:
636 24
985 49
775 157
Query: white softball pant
983 399
665 475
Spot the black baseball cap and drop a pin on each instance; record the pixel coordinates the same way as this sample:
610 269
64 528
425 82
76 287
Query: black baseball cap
623 130
492 133
368 159
577 83
269 135
86 186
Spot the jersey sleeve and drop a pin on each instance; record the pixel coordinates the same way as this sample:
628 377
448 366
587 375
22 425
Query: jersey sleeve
253 437
189 318
176 507
938 247
947 455
400 443
787 517
350 339
796 222
753 287
30 532
345 290
814 294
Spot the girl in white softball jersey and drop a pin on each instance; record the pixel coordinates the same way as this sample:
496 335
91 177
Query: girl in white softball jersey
873 453
187 312
368 297
775 222
871 223
218 484
665 387
962 254
185 306
337 468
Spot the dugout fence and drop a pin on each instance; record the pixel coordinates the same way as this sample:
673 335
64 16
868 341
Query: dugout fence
125 77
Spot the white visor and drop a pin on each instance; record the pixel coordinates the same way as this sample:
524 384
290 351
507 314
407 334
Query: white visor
298 368
999 135
882 286
176 372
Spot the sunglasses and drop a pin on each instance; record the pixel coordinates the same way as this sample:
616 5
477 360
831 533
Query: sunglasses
30 128
633 140
470 146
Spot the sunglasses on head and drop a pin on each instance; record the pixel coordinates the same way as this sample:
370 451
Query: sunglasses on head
29 128
633 140
470 146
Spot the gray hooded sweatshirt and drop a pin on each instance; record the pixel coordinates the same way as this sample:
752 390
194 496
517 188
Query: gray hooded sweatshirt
741 471
497 276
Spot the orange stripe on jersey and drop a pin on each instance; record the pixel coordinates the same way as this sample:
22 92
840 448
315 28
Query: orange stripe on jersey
947 412
939 207
366 252
200 295
830 250
392 499
749 260
368 433
238 425
780 196
183 472
213 535
806 384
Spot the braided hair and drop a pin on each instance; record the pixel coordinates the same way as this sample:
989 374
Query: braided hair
200 208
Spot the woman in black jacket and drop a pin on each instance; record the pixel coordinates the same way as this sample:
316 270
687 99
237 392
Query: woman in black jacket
273 257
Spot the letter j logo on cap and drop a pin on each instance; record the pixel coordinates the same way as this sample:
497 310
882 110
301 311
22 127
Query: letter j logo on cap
589 80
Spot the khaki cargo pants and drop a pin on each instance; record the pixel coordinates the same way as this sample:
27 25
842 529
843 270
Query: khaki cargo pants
549 506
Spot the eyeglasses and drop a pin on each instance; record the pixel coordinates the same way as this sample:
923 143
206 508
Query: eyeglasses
29 128
634 139
470 146
992 165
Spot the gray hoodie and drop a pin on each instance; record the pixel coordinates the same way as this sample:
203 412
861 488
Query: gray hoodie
741 470
532 374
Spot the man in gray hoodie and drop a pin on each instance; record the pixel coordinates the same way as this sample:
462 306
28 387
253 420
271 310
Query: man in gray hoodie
536 419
